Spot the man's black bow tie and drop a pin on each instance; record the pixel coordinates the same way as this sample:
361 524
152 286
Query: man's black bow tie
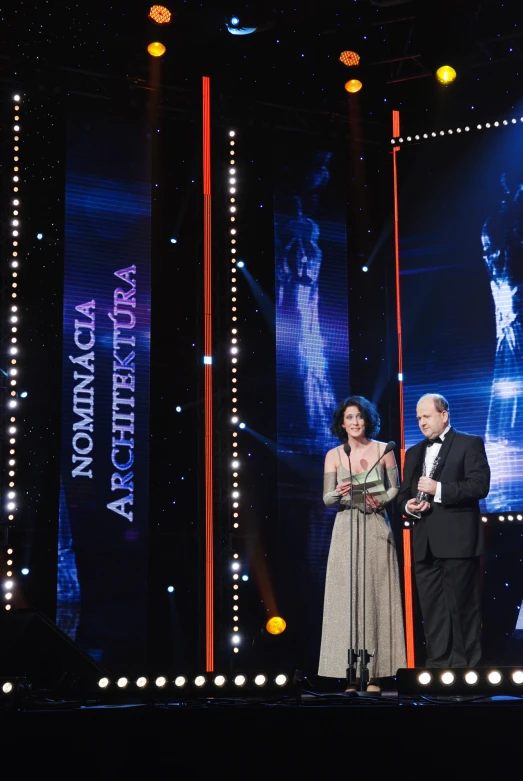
437 440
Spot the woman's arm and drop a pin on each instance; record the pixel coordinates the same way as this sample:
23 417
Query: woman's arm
334 492
393 480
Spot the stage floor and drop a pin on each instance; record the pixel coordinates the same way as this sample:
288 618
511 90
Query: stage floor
230 738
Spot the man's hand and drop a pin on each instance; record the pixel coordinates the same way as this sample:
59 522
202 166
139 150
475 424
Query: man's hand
415 507
427 485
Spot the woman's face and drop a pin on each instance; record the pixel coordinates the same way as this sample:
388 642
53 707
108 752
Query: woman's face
353 422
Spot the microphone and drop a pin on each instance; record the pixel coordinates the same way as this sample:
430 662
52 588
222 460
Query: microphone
347 448
352 656
390 446
363 653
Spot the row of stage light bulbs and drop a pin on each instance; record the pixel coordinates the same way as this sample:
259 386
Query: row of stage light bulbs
471 677
450 132
180 681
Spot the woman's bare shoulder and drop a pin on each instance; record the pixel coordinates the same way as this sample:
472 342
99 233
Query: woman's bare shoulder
332 459
332 452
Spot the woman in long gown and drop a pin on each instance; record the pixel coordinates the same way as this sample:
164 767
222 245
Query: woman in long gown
355 422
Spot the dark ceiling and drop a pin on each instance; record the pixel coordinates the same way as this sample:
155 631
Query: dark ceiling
292 58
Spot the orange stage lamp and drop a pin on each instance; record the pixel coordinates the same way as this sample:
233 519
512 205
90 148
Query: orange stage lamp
349 58
354 85
276 625
160 14
156 49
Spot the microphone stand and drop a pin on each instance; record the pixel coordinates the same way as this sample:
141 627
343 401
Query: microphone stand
363 654
351 654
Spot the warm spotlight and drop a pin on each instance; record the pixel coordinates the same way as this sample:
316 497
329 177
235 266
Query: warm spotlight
445 74
156 49
160 14
354 85
349 58
276 625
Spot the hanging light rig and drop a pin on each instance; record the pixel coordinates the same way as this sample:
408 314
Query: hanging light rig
351 60
161 16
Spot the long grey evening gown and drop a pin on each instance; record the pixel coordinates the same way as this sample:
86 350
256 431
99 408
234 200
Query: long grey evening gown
385 637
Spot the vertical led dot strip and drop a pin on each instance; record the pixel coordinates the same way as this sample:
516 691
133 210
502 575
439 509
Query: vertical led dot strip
235 464
207 361
13 342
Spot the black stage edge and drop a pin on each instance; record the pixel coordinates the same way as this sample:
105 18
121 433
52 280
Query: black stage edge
234 738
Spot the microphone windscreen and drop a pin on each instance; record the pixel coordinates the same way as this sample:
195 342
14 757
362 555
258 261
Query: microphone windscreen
390 446
347 448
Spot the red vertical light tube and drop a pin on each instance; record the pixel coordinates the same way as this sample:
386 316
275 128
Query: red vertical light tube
407 553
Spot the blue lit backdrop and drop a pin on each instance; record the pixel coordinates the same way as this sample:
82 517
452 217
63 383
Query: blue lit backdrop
102 545
462 271
312 364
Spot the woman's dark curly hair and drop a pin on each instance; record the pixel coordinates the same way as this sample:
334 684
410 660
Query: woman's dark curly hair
368 411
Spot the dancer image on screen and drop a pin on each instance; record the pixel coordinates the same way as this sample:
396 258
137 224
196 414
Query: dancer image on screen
356 422
451 472
298 298
300 272
502 242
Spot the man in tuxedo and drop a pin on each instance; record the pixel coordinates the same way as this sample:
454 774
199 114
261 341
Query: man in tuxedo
445 476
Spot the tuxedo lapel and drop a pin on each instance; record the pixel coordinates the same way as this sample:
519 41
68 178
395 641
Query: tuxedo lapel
447 443
418 466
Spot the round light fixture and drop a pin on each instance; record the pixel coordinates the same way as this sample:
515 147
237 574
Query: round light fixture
156 49
349 58
276 625
353 85
446 74
160 14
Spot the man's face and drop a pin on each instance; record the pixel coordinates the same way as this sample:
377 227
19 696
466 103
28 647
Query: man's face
431 422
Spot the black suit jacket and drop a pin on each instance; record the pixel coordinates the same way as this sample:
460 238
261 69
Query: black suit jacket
452 527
